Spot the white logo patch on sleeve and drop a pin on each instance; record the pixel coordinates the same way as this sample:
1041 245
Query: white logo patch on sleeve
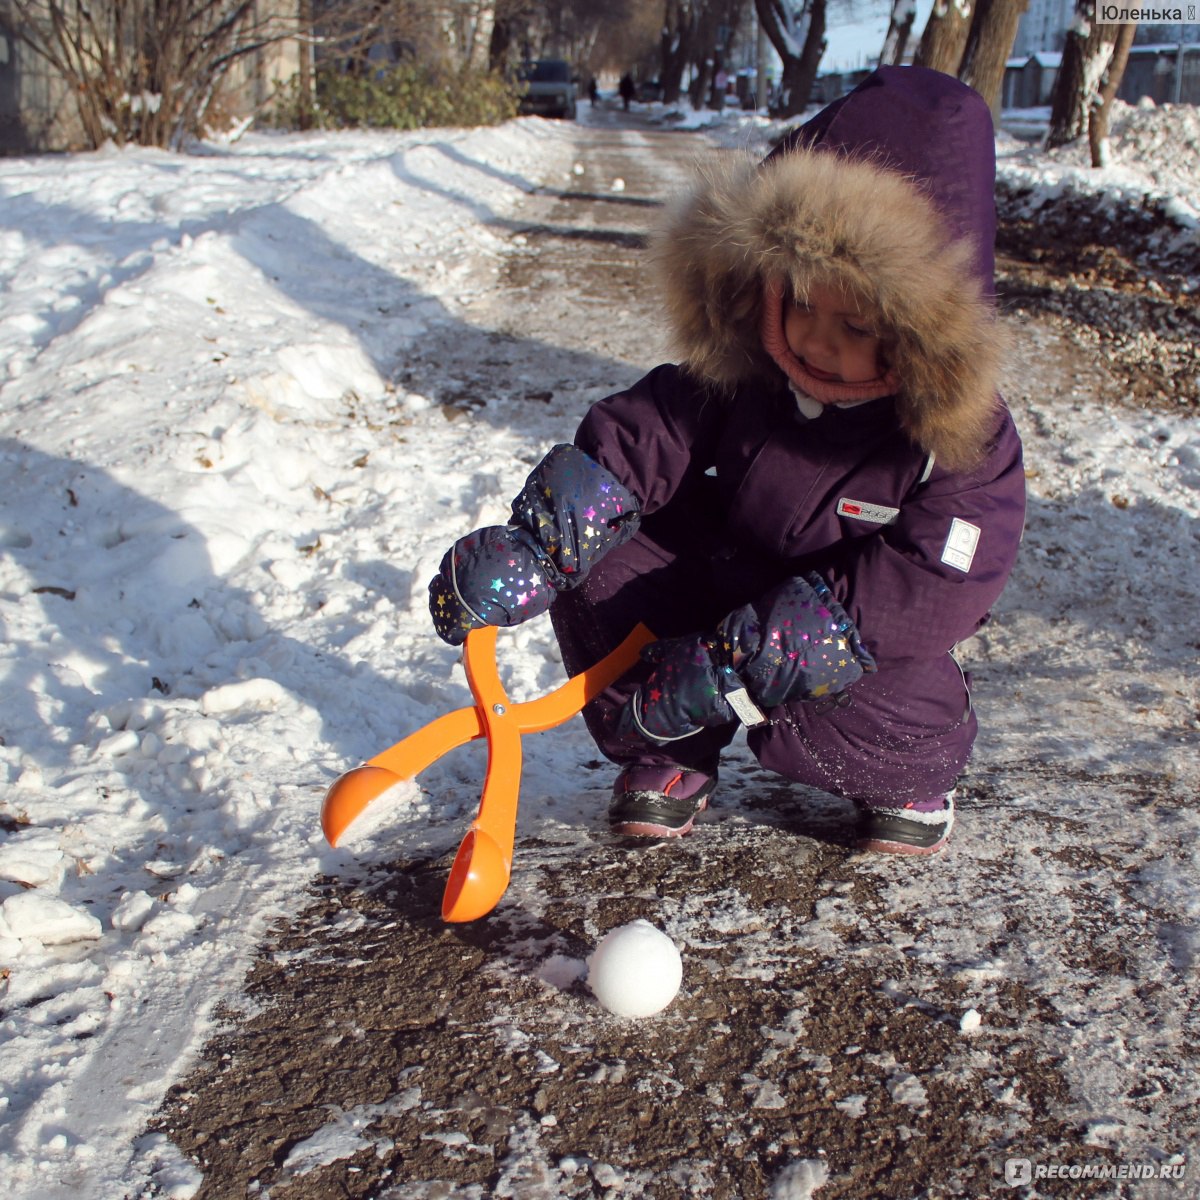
746 710
961 544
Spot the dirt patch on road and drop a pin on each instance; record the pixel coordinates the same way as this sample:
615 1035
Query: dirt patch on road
430 1050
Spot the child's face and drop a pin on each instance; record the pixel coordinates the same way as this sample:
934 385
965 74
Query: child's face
833 337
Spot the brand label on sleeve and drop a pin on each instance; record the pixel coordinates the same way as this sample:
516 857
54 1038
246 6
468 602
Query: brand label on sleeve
961 543
864 510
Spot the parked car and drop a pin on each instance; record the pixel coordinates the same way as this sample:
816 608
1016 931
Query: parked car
548 88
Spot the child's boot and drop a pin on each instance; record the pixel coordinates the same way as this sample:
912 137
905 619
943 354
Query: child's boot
658 800
922 827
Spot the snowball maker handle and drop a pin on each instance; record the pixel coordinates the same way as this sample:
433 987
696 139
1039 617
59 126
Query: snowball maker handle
482 867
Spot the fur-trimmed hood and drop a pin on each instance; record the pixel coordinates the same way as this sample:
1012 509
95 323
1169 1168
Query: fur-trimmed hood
887 193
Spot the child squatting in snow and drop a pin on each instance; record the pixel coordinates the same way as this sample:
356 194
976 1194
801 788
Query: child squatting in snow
815 504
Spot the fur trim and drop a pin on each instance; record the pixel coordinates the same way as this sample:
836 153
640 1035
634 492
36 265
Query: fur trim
810 218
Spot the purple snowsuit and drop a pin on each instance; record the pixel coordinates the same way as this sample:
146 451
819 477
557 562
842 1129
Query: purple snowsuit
911 506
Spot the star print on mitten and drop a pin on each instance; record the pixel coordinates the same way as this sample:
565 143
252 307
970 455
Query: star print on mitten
576 512
489 577
685 692
794 643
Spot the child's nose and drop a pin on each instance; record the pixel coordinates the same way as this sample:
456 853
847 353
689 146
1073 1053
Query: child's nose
820 336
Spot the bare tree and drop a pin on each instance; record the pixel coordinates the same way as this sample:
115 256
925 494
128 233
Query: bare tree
1102 109
620 30
510 28
989 44
798 36
304 71
1087 69
362 35
716 27
900 23
149 71
468 27
681 21
631 40
591 36
945 36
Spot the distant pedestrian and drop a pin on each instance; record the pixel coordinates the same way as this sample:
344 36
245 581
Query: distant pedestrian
593 90
626 88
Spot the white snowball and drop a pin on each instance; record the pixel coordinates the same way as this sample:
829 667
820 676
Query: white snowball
635 970
970 1021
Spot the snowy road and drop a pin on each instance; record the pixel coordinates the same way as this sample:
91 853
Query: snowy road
251 398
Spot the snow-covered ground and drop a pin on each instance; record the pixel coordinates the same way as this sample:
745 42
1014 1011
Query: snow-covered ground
1153 164
218 519
1152 147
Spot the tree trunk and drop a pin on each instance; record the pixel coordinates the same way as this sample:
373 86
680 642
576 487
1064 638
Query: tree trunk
709 54
304 80
675 47
989 44
805 73
702 76
945 36
800 59
904 13
703 53
1069 98
1086 56
481 23
1101 110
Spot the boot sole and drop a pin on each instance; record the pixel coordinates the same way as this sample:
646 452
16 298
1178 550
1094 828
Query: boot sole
649 829
880 842
887 846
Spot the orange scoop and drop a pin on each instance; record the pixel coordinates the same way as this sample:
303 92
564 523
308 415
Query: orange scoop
482 867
